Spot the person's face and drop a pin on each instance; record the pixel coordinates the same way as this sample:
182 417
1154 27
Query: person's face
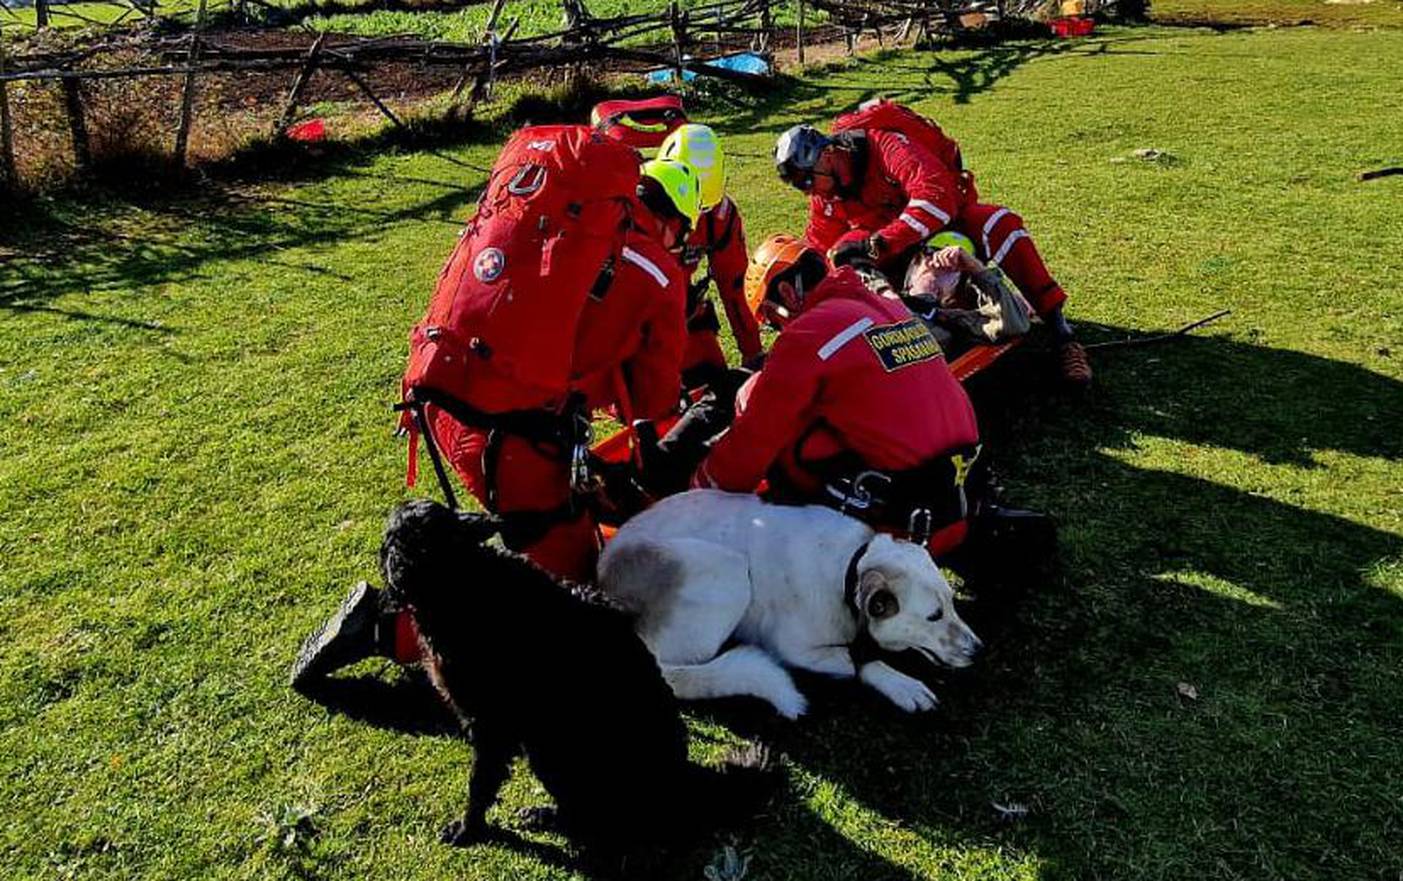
831 172
790 297
927 279
674 233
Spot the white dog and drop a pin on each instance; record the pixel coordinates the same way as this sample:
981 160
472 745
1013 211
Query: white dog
791 585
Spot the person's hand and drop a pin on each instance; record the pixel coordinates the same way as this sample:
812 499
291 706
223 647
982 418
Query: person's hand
755 362
954 259
851 252
855 251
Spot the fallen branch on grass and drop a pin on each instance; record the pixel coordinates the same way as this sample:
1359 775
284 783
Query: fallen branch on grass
1158 338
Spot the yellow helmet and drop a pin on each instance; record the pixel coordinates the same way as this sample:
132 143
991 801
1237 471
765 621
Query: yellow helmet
679 183
698 146
947 238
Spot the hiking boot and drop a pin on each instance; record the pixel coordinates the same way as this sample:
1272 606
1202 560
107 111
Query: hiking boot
1007 550
346 637
1072 360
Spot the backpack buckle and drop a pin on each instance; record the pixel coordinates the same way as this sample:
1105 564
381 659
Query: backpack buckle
581 475
857 496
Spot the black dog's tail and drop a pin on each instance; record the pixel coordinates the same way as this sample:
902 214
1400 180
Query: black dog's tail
734 792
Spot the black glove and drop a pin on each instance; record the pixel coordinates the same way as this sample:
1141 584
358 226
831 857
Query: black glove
853 253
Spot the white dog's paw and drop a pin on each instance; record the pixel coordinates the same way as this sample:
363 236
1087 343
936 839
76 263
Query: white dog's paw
790 704
912 695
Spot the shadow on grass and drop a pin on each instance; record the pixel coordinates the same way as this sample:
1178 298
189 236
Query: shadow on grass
406 703
961 73
1281 751
141 236
1209 685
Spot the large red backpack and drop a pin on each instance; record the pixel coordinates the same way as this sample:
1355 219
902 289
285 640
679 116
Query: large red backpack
884 115
500 329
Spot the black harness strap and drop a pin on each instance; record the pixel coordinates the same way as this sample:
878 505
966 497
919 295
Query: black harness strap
537 425
429 444
564 431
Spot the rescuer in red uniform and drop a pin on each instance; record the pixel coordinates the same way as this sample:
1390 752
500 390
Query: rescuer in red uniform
628 354
894 177
855 406
719 239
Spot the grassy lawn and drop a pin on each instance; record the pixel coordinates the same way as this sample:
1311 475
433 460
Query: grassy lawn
1332 13
196 460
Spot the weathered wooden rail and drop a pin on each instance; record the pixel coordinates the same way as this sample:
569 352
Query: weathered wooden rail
676 38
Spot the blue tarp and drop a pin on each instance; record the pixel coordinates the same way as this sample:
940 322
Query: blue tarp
741 62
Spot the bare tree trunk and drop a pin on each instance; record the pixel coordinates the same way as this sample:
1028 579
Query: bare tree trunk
41 13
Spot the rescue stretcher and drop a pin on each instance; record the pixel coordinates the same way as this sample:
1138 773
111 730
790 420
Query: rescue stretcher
618 447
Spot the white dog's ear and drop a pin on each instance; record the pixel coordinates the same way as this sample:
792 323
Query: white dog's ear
877 600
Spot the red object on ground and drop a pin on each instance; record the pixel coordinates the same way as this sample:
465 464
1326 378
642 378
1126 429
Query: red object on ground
310 132
1073 26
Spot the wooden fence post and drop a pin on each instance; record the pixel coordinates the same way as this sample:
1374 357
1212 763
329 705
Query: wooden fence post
482 86
187 98
678 38
374 99
799 33
9 177
73 101
304 73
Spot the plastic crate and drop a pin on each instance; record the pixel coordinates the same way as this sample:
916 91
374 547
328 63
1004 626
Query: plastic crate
1073 26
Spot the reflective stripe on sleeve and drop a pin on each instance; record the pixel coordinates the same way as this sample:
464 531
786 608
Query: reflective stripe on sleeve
930 208
915 224
989 226
646 265
842 337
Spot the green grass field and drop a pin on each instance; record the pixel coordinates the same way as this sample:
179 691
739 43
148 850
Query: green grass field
196 460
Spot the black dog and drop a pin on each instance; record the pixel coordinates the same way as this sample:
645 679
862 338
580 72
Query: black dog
558 672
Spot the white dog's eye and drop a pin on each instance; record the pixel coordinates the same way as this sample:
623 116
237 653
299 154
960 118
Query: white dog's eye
936 615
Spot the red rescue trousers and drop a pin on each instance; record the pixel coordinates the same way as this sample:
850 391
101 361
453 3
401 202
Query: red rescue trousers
703 349
527 477
1001 240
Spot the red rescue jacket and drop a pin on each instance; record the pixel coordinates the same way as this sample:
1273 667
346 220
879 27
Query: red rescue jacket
854 372
632 333
903 192
720 238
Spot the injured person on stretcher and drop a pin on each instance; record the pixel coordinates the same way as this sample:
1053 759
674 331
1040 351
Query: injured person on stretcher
856 407
961 301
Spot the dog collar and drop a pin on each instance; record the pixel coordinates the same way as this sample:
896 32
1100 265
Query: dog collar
850 578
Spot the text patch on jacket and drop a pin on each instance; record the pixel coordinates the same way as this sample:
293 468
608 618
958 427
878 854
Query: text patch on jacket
901 345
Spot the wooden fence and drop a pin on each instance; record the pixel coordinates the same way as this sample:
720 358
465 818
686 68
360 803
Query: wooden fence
682 40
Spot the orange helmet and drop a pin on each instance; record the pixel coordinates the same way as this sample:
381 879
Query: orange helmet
775 255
